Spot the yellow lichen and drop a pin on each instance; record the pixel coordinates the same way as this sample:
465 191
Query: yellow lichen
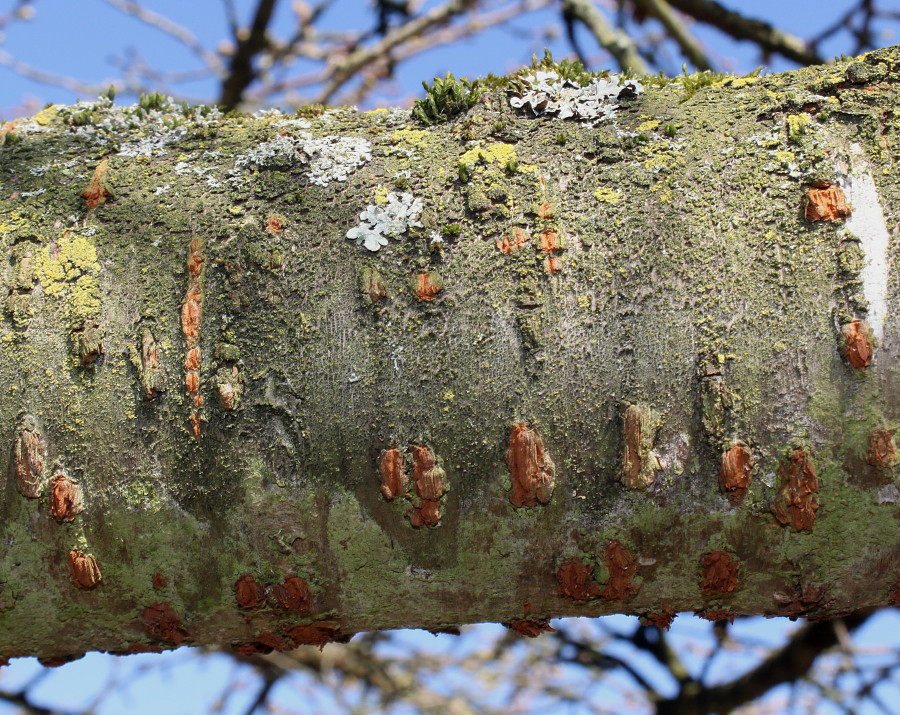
785 156
415 137
607 196
69 269
649 125
499 154
797 125
47 115
743 81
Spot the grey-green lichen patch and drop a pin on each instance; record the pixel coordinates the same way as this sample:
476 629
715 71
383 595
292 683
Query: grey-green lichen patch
330 158
547 92
390 218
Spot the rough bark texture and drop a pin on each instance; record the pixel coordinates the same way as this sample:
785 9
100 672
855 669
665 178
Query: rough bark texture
189 337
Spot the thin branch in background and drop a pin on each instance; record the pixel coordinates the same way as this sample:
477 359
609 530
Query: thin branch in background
863 34
271 676
677 30
241 71
341 71
78 87
767 37
585 654
614 41
22 11
231 17
172 29
788 664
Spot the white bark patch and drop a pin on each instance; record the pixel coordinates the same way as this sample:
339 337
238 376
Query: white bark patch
866 223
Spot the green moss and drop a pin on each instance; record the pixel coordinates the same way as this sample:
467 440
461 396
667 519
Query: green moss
446 98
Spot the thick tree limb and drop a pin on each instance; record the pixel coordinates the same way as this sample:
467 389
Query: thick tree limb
274 380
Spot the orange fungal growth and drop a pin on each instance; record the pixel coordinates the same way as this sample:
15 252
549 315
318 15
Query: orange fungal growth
227 396
622 570
428 285
192 382
662 619
318 634
84 569
162 623
372 285
192 359
147 362
190 314
292 594
249 593
734 474
275 224
546 210
797 500
530 467
825 202
640 463
511 243
576 580
530 627
553 264
65 498
195 264
392 468
550 241
428 480
96 193
720 572
882 449
857 343
29 457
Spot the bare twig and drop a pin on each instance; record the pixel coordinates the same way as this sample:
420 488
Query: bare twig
74 85
173 29
675 28
616 42
342 71
740 27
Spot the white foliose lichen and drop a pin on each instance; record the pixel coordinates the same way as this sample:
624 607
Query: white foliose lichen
547 93
330 158
139 131
393 218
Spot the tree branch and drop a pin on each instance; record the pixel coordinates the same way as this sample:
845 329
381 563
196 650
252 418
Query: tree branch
662 11
241 72
740 27
342 72
616 42
785 665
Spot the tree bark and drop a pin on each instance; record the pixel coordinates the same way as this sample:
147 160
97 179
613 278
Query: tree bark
644 367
